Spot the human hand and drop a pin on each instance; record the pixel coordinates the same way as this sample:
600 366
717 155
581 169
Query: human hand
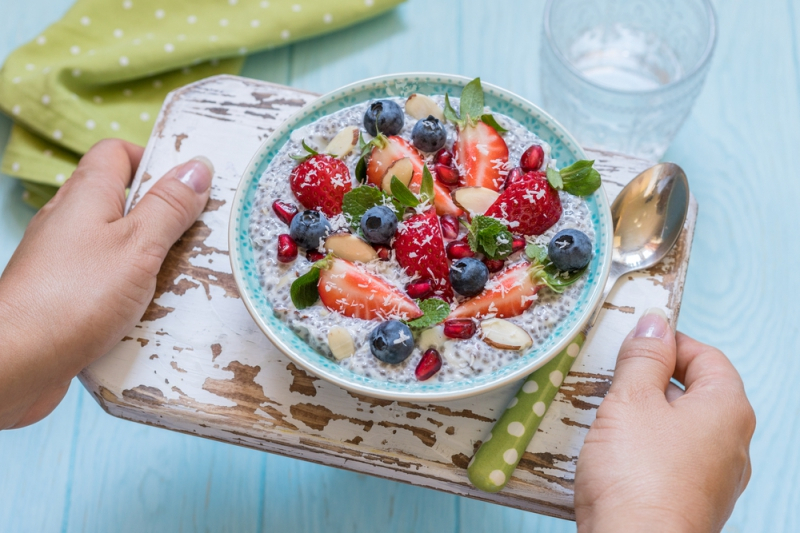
658 458
84 273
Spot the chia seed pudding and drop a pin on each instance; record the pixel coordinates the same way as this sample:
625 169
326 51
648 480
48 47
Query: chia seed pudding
460 358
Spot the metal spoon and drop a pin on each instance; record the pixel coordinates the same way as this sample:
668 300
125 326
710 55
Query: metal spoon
648 217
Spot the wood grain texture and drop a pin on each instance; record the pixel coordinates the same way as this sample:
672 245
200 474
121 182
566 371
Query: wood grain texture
738 150
197 363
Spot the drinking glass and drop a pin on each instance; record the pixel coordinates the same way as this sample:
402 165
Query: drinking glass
623 74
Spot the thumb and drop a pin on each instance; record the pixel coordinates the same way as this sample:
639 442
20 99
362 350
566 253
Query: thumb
172 205
647 356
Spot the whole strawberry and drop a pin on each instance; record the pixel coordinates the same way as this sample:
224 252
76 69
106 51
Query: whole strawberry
528 207
419 248
320 182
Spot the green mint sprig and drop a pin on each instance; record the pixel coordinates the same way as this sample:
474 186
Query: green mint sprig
544 271
490 237
304 291
578 179
310 153
471 107
434 311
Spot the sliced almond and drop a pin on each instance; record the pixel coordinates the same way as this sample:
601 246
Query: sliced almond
504 335
351 248
420 106
432 338
343 143
341 343
474 200
403 169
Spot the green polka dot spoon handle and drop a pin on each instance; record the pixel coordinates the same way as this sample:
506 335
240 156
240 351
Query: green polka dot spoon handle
660 196
498 456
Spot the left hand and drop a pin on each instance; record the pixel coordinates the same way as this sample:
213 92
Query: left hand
84 273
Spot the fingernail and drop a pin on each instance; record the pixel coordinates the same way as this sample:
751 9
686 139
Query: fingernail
196 173
653 324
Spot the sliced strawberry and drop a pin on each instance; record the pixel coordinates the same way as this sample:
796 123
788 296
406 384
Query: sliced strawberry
419 248
320 182
508 294
386 151
528 207
481 156
354 292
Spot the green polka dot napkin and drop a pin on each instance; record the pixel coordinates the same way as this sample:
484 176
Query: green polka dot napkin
104 69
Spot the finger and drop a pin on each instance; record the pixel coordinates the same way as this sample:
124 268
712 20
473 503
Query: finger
647 356
102 176
673 392
171 206
698 364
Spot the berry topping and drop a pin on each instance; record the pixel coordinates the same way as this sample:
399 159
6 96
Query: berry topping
314 255
460 328
449 226
515 175
309 229
430 364
508 294
481 155
348 289
570 249
468 276
384 252
379 224
529 207
284 211
384 116
494 265
419 289
518 244
459 250
391 342
287 249
320 182
532 158
428 134
419 248
446 174
444 157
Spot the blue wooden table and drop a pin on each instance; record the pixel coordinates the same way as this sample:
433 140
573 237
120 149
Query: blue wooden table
82 470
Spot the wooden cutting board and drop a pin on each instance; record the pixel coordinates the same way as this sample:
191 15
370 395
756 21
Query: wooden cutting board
198 364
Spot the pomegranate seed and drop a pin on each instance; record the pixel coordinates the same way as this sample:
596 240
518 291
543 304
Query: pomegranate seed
314 255
532 158
287 249
515 176
443 157
445 174
459 250
449 226
460 328
494 265
284 211
430 364
518 244
419 289
384 253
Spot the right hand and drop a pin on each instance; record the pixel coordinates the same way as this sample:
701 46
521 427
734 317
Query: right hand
658 458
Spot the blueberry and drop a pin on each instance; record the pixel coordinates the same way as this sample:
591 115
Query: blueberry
391 342
384 116
428 134
570 249
379 224
468 276
309 228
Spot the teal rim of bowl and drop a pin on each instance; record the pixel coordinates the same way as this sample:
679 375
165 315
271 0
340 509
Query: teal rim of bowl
565 150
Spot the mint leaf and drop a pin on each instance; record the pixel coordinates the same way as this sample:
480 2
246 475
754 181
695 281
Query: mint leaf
536 253
488 119
361 170
554 177
401 193
311 152
580 178
304 290
357 201
558 281
450 113
490 237
435 310
426 187
472 100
